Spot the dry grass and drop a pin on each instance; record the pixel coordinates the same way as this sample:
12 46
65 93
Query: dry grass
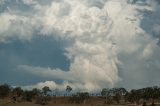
61 101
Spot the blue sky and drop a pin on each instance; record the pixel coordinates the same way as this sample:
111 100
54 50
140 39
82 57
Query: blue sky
30 52
88 44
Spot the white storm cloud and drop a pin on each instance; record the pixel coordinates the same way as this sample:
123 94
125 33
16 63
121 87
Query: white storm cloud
106 44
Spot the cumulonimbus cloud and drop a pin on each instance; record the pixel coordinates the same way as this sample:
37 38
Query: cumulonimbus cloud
106 44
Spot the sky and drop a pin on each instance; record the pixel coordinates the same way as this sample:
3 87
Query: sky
87 44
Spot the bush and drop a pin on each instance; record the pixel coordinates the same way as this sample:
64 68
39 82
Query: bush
27 96
4 90
17 91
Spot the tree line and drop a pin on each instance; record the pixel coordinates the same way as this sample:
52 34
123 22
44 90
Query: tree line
41 96
110 95
136 96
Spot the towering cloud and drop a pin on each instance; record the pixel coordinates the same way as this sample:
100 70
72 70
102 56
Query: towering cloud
106 41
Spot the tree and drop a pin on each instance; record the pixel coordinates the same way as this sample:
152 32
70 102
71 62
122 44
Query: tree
134 96
68 89
27 96
4 90
106 93
118 93
17 91
117 98
123 91
45 90
83 96
36 92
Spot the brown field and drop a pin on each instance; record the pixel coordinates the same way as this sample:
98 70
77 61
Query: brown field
63 101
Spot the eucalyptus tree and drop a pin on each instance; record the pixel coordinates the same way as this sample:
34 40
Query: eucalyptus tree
83 96
45 90
106 92
68 89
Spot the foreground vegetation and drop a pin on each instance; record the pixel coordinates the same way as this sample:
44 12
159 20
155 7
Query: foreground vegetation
116 96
